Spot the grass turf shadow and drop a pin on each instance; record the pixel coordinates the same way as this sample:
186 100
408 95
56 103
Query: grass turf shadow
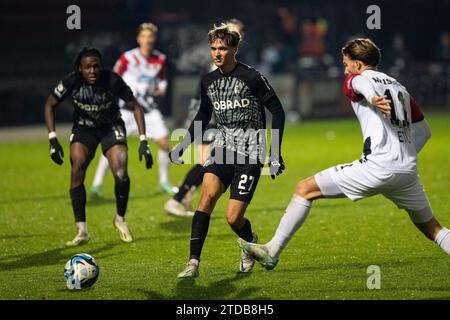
187 289
50 257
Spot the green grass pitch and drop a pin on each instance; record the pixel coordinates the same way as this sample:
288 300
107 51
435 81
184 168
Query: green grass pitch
327 258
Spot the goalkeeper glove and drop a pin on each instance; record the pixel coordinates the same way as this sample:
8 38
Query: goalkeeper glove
144 151
276 165
56 151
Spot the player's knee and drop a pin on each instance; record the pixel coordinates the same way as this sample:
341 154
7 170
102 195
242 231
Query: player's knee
302 188
208 200
120 174
78 168
163 144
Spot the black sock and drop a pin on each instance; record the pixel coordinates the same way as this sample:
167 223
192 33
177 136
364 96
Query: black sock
193 178
200 225
78 196
122 189
245 232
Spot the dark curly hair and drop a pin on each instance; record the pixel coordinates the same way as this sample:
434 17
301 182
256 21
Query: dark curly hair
86 52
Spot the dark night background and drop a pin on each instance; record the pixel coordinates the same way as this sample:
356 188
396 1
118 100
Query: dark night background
37 48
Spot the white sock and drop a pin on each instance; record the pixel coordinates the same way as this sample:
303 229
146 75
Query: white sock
443 240
101 170
163 166
81 227
296 213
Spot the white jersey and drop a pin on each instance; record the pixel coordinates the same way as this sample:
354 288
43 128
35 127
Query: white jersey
388 143
143 74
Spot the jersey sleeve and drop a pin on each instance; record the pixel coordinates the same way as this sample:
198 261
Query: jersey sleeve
120 89
205 101
162 75
121 65
349 91
422 134
261 88
416 113
65 86
203 115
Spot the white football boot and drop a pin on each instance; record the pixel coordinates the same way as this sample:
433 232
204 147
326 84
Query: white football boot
175 208
124 231
247 262
80 239
191 270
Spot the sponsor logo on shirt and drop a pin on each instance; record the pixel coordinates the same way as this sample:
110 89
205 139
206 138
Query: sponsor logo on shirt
60 90
231 104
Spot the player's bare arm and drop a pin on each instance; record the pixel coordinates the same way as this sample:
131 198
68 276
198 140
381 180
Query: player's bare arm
49 113
138 113
56 150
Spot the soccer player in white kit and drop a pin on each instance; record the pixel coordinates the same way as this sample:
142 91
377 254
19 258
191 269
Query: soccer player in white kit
394 131
144 70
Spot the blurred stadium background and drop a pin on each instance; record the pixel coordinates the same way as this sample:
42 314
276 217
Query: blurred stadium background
295 43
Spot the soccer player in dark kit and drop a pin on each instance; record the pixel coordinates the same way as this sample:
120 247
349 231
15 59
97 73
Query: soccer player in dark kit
96 119
237 95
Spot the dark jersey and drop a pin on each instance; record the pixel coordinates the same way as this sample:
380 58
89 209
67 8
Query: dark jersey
237 101
94 105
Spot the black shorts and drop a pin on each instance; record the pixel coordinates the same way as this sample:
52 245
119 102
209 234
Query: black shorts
242 178
108 136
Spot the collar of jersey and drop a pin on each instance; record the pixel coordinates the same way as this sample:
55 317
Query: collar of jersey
229 73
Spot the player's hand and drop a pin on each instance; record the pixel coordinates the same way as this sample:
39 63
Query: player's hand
144 151
175 155
382 104
276 165
56 151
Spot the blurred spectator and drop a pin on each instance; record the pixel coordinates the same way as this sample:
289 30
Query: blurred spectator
312 48
313 33
443 59
271 55
280 48
398 59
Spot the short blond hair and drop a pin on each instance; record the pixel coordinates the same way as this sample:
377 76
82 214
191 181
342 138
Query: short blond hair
147 26
363 49
229 34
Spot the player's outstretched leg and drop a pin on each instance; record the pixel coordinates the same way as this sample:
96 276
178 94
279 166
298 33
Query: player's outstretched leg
79 156
175 205
102 167
294 217
117 157
258 252
425 221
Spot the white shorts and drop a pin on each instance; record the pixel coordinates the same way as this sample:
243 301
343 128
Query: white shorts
358 180
154 124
